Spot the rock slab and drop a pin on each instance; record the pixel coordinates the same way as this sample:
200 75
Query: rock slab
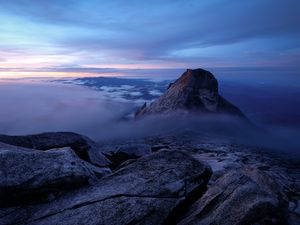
28 175
84 147
247 196
147 191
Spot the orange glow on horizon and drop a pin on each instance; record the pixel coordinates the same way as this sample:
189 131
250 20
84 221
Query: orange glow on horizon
19 74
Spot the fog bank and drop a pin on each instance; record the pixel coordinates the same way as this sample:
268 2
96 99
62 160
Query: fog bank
36 107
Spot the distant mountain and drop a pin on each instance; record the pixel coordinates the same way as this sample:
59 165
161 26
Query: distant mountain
195 91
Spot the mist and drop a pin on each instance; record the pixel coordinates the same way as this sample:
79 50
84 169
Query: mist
227 129
36 107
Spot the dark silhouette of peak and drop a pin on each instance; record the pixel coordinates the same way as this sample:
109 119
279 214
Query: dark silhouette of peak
195 91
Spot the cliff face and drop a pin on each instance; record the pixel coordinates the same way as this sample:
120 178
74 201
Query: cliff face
195 91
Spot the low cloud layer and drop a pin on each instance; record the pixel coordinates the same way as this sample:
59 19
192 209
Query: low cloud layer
34 107
38 107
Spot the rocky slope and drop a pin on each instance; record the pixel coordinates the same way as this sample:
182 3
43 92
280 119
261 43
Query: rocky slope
195 91
248 184
182 179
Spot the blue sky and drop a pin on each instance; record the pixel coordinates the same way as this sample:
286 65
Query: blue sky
57 36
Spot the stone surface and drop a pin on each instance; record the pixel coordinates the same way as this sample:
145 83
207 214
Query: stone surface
247 196
28 175
195 91
84 147
169 186
224 156
146 191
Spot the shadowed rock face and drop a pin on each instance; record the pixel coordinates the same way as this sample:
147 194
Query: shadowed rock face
195 91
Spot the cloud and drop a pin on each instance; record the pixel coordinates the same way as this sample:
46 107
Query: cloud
33 107
29 107
182 32
192 25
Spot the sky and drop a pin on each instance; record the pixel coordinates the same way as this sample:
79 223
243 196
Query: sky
83 37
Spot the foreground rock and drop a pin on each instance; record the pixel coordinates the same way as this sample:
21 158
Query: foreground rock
147 191
84 147
195 91
174 186
28 176
225 156
247 196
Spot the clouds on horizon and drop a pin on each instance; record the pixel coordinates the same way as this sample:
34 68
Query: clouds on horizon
172 34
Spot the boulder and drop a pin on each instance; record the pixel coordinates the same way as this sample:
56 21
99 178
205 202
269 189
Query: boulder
28 175
248 196
195 91
147 191
84 147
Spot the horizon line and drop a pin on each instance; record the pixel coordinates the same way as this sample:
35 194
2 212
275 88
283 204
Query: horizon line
69 72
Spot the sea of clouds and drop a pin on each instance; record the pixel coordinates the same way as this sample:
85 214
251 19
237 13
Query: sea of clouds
29 107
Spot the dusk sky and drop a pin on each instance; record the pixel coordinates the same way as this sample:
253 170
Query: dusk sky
61 37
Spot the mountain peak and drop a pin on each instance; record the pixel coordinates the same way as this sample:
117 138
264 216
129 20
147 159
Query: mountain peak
196 90
198 78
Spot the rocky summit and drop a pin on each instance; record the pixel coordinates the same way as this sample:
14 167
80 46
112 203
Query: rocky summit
195 91
163 180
